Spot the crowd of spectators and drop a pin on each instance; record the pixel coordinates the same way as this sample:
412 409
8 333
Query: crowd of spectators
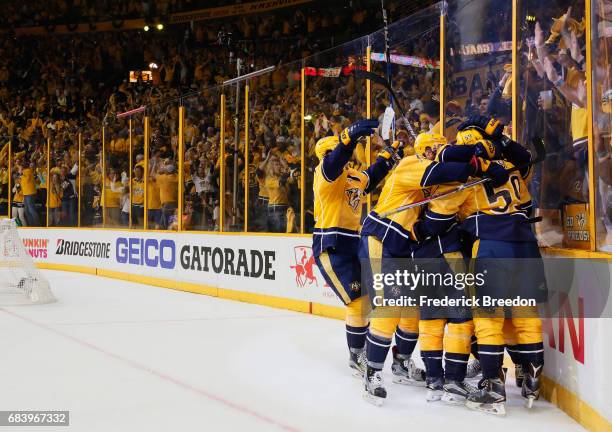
59 88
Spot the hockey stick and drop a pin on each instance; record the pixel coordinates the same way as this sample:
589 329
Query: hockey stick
538 144
388 60
377 79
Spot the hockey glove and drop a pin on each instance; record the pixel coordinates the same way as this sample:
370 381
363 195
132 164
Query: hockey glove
489 126
359 129
392 154
488 150
487 169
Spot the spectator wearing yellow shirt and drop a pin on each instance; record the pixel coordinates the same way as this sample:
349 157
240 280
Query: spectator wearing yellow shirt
168 194
112 196
55 200
28 185
138 196
153 203
277 186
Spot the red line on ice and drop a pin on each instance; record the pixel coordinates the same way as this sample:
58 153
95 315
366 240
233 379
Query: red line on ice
158 374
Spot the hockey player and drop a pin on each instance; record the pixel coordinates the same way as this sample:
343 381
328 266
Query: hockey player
496 216
439 238
338 193
384 239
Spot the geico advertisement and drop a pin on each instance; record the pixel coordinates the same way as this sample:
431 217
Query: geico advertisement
279 266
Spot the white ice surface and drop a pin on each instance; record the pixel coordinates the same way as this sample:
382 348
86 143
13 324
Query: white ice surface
129 357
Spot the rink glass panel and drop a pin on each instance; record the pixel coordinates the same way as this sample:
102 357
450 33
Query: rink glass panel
274 156
91 178
414 46
333 99
233 218
478 51
63 173
136 186
601 46
201 161
162 185
560 185
116 173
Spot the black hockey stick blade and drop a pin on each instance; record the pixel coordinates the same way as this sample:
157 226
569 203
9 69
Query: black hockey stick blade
360 73
371 76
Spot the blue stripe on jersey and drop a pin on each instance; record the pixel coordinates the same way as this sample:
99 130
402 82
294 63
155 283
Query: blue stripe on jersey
436 223
396 239
342 240
437 246
512 227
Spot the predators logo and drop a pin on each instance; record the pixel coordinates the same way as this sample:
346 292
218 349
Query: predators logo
353 196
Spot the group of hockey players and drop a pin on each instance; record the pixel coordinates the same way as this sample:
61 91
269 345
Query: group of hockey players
489 221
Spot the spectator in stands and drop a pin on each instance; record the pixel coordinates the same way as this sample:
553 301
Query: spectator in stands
55 200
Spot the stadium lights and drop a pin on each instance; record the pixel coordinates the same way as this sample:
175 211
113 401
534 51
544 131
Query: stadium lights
153 66
146 28
160 26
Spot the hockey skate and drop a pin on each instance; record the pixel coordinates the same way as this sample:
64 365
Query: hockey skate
435 389
456 392
530 388
519 375
357 362
473 368
490 397
374 387
406 372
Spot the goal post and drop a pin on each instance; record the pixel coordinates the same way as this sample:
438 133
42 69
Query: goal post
21 283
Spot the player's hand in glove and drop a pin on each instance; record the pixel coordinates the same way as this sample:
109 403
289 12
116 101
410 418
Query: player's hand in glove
359 129
488 150
490 127
487 169
393 154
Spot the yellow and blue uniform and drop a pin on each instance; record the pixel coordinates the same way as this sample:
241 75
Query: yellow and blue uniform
394 237
496 218
338 191
445 242
507 250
